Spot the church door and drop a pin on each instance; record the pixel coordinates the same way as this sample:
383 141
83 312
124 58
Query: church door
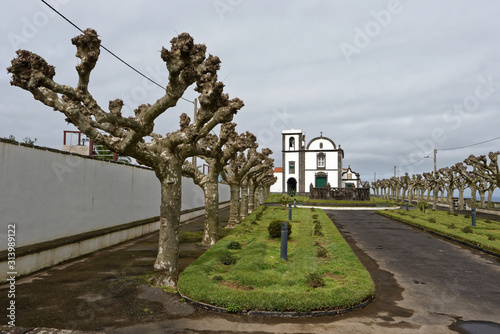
292 186
320 181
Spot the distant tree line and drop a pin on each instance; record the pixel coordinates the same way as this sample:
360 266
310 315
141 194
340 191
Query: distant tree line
479 173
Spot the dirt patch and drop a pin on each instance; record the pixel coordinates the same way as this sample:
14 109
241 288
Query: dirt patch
236 286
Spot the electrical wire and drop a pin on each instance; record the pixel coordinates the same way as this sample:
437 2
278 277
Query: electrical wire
456 148
109 51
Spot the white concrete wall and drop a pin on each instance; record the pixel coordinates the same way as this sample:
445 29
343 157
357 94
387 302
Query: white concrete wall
50 195
277 187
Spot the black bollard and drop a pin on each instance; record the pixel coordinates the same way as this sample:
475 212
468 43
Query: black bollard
284 241
295 203
473 214
407 206
290 211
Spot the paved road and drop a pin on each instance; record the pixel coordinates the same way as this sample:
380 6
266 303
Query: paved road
440 282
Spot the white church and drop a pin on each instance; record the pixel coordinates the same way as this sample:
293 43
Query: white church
318 163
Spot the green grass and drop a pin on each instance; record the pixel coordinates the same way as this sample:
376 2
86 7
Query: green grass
275 198
260 280
486 234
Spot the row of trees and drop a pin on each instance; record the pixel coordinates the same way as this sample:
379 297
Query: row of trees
479 173
230 154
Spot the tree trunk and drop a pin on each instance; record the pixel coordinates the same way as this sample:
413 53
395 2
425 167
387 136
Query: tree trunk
490 198
450 200
251 199
234 208
244 209
481 197
210 231
461 198
166 270
473 191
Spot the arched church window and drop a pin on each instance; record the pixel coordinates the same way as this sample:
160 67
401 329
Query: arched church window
320 145
292 142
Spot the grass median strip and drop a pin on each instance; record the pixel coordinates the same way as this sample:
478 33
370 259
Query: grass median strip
486 234
243 271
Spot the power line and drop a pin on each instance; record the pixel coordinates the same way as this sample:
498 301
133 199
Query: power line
114 55
456 148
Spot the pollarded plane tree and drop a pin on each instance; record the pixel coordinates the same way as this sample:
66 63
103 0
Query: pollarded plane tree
404 182
489 173
256 175
473 177
448 177
265 187
233 173
219 149
461 182
187 64
431 183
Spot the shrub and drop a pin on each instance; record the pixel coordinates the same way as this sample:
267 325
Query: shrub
468 229
452 226
217 278
492 238
227 259
488 221
314 280
233 308
274 228
315 216
432 220
284 200
422 205
254 222
466 216
234 245
322 252
455 214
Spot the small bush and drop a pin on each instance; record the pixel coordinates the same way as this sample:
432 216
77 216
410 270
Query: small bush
234 245
227 259
432 220
233 308
452 226
274 228
466 216
487 221
322 252
254 222
492 238
217 278
314 280
455 214
315 216
468 229
422 206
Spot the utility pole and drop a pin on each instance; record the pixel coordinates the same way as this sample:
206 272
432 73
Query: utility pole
434 193
194 162
394 171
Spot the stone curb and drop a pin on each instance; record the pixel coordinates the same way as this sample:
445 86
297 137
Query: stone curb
444 236
276 314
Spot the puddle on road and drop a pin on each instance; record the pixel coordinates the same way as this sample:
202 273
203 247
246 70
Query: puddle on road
476 327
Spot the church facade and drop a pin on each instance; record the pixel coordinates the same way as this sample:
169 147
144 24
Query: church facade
318 162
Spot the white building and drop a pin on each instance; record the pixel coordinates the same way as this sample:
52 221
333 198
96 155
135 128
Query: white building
350 179
318 163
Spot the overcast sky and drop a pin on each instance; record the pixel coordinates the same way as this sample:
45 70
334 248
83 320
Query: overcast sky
389 81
